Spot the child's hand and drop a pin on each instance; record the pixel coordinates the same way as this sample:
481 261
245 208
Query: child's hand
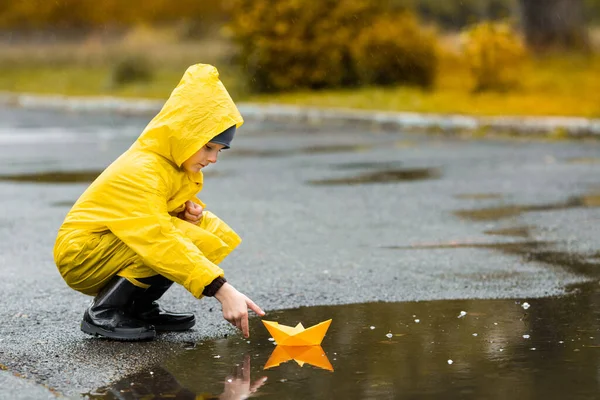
238 386
235 307
192 212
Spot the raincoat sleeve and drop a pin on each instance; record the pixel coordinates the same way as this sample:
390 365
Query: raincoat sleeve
147 228
198 201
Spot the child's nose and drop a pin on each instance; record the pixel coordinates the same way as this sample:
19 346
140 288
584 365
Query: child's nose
212 158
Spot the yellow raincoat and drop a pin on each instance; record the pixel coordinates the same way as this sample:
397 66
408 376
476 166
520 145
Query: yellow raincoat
125 222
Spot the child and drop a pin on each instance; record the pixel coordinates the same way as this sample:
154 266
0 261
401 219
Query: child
139 226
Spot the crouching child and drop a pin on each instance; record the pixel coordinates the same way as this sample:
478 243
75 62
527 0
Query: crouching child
139 227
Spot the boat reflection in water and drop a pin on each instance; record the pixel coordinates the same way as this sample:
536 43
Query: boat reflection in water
313 355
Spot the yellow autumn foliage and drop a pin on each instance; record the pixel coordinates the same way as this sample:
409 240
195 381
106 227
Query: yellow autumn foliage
93 14
396 49
301 44
495 54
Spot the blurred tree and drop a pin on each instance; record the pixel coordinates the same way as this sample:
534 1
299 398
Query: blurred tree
91 14
456 14
554 24
495 54
304 44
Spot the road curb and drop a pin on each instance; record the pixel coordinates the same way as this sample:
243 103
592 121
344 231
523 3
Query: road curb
567 127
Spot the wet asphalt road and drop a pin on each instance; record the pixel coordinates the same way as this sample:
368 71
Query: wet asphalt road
329 215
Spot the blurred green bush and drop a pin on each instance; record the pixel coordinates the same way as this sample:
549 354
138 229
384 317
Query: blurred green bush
295 44
495 54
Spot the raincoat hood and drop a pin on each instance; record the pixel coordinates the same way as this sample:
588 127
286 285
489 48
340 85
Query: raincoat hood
198 109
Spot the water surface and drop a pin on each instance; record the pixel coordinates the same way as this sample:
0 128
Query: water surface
460 349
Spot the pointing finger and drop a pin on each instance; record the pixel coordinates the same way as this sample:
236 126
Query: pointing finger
246 369
254 307
244 324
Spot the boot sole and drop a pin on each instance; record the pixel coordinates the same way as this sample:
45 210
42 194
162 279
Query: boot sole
123 336
175 328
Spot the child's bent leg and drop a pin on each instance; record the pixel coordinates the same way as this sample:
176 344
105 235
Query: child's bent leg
92 269
147 309
132 285
109 315
109 256
103 257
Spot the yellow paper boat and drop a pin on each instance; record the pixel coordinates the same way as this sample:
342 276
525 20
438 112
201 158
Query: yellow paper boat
297 336
313 355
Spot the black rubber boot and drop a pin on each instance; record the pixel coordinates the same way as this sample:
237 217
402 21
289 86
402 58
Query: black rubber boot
109 314
146 309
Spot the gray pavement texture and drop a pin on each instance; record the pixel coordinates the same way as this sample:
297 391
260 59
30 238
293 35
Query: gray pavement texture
328 214
439 123
21 389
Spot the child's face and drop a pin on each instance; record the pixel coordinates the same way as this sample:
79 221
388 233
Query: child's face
206 155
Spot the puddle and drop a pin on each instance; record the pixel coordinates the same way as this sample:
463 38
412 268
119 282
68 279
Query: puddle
387 176
325 149
468 245
479 196
72 176
459 349
499 213
64 203
583 160
389 165
54 177
530 250
518 231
